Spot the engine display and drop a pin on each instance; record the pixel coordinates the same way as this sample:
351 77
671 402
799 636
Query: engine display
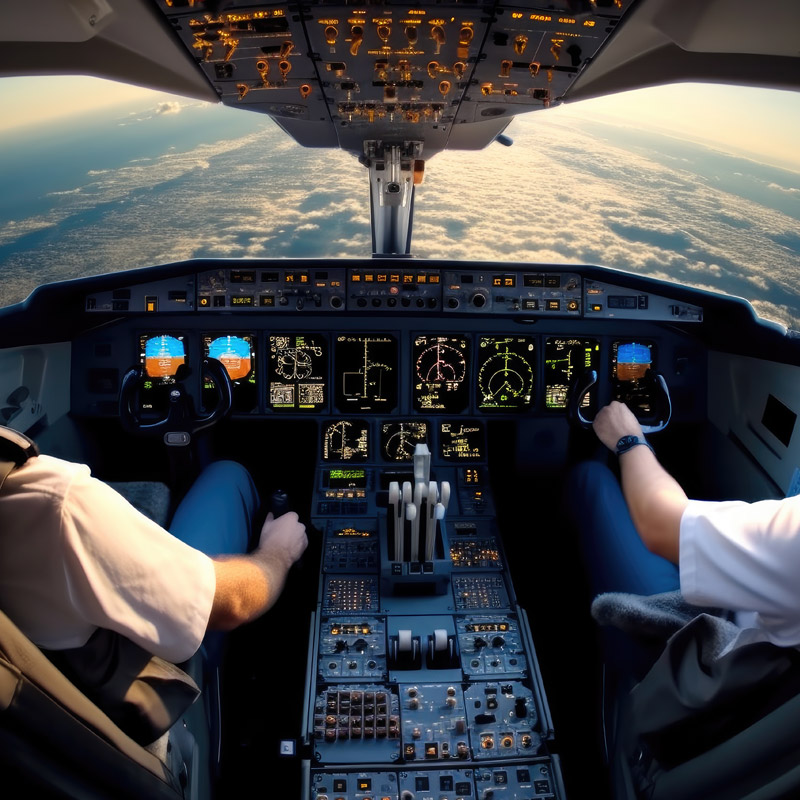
565 360
506 369
630 364
237 353
462 441
398 439
297 372
440 373
366 372
346 440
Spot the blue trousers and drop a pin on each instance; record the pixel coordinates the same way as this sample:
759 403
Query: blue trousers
216 516
615 557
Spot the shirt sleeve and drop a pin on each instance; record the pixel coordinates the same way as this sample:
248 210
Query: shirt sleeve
126 573
744 557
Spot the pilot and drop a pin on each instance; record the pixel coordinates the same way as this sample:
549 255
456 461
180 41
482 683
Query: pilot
76 558
644 536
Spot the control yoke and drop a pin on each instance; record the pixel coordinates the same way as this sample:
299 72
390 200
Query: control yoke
180 422
658 390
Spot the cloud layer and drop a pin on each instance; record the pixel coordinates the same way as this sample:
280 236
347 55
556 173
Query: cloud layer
561 194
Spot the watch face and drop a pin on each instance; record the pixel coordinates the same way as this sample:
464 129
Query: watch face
626 442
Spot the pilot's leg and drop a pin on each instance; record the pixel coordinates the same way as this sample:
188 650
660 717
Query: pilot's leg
615 556
216 515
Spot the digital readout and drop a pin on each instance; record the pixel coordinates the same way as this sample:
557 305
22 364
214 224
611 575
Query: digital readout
506 370
440 373
461 441
297 372
366 372
564 361
346 478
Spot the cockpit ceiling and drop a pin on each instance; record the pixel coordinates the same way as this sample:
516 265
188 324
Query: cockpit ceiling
446 74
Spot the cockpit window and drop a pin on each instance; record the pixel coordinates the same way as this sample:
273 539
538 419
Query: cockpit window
695 184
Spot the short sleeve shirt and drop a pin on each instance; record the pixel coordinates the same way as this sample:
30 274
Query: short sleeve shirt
76 556
745 557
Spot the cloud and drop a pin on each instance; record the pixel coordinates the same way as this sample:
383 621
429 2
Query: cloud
170 107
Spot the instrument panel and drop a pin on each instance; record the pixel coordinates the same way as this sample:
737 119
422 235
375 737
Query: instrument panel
364 374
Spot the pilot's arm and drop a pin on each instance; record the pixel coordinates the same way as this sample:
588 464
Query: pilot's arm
655 500
248 585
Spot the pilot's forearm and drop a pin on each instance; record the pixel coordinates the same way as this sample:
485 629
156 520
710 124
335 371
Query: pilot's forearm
655 500
247 586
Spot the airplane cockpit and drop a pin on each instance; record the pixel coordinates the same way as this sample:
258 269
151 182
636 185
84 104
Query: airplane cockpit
421 416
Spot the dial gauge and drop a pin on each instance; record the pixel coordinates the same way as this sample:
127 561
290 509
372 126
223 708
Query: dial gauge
506 372
440 373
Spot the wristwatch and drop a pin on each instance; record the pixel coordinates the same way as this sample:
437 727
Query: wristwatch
628 442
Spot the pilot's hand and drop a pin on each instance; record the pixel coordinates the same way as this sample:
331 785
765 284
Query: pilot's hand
615 421
284 537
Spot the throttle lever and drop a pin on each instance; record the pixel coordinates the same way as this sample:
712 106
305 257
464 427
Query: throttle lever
581 386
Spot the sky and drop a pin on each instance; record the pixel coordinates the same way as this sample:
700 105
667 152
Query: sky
762 123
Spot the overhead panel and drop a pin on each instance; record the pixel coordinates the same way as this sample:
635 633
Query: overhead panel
448 74
532 54
258 59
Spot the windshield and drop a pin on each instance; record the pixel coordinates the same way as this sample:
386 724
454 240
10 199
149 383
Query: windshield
695 184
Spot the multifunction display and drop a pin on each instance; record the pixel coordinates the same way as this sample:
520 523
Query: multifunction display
506 369
399 439
345 440
296 372
366 372
237 353
631 378
441 380
564 361
160 355
462 441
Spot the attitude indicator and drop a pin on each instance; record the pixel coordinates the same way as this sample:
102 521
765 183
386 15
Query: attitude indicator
440 373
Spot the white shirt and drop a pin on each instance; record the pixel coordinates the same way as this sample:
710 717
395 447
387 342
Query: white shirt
745 557
76 556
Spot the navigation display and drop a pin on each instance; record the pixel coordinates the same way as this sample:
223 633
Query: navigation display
440 373
564 360
345 440
462 441
297 372
506 370
237 353
366 372
399 439
630 364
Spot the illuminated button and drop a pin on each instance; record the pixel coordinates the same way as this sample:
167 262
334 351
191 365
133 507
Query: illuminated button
204 301
572 305
596 307
151 304
553 305
530 305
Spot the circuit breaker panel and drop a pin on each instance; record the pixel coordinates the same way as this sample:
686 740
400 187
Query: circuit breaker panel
423 680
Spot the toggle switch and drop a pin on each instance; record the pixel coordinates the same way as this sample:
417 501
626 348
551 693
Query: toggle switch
520 43
331 32
285 68
433 68
534 67
437 34
384 32
505 68
305 91
411 34
444 88
356 38
459 68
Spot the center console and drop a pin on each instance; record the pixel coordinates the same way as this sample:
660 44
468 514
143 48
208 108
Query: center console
423 680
